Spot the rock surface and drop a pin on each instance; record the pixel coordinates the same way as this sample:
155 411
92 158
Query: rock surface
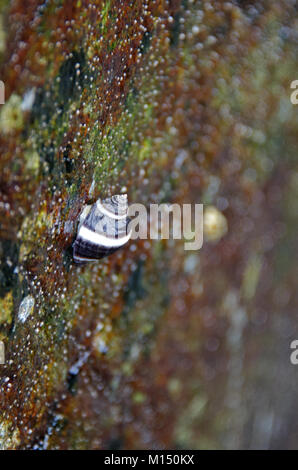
153 347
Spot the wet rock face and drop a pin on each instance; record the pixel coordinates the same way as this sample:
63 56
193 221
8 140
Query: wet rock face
153 347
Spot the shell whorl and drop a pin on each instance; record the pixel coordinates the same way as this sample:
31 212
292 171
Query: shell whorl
102 229
116 205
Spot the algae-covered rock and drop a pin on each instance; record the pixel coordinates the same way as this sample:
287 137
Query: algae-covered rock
155 346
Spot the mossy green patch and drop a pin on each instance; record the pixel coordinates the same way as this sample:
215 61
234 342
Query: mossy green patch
6 305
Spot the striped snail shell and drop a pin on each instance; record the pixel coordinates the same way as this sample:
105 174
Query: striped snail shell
102 229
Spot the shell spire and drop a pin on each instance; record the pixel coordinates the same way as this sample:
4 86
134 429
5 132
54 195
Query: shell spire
103 229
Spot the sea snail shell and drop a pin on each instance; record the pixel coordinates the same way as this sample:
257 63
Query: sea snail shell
102 230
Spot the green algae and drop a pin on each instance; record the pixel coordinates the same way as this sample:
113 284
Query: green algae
6 305
11 115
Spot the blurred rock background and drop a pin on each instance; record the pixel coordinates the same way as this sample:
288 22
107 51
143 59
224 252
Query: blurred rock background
154 347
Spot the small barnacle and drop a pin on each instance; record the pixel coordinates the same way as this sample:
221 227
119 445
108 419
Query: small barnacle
103 229
28 100
26 308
